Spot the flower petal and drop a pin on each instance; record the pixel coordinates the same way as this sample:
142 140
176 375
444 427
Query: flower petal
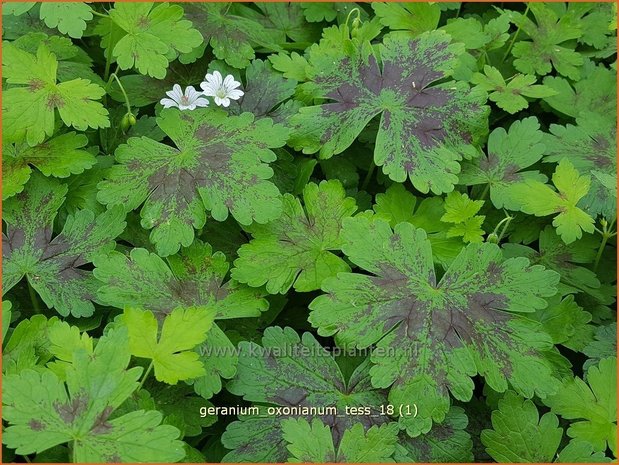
168 103
235 94
208 89
177 90
191 93
228 81
217 78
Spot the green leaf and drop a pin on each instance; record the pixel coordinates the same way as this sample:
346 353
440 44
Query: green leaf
462 211
546 49
314 443
566 322
68 18
179 405
565 259
53 265
447 442
291 371
230 153
508 154
60 157
6 318
73 62
593 401
292 66
17 8
297 249
43 411
194 278
497 31
459 208
317 12
469 31
519 434
580 452
595 19
510 96
537 198
432 337
596 92
289 21
413 17
28 346
171 354
424 128
29 108
604 344
591 147
154 36
397 205
230 32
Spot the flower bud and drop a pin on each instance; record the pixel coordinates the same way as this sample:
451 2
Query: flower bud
492 238
127 121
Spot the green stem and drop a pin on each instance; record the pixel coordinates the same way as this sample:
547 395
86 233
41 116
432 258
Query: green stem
368 176
73 454
511 44
351 12
108 54
122 89
605 238
27 459
484 193
146 373
34 299
101 15
488 61
607 233
505 226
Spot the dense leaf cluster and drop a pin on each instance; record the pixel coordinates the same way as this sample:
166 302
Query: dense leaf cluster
398 245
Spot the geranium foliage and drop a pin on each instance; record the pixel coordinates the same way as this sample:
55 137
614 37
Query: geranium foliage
309 232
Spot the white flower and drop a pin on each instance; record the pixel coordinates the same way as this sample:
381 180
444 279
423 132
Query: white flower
184 101
221 89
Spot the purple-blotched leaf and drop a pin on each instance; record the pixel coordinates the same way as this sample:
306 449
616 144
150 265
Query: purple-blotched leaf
265 89
566 259
221 165
447 442
292 371
193 278
425 127
432 336
229 30
44 411
591 147
53 265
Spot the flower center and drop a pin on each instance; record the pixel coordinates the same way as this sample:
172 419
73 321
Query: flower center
221 92
184 100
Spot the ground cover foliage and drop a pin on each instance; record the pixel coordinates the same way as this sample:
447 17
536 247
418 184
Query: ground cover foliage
400 215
